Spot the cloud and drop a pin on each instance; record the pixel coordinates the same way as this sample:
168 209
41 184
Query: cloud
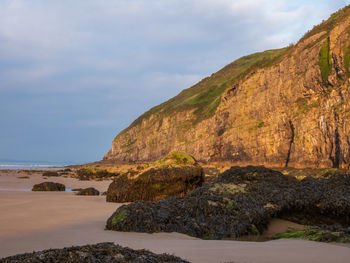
90 65
60 38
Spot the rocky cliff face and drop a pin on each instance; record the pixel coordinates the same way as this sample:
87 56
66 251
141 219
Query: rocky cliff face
287 107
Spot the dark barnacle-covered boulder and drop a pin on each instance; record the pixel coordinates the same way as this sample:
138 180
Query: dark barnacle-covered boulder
241 201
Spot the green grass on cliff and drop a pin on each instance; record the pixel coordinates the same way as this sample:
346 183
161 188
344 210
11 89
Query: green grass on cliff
205 96
325 62
346 58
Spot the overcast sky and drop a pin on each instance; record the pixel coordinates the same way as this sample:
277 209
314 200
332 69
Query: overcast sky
73 73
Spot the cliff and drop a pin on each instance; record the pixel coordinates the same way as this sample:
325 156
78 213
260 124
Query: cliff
285 107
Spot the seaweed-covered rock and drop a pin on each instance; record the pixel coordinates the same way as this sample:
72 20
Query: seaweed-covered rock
49 186
316 233
102 252
50 174
242 201
86 174
88 191
155 184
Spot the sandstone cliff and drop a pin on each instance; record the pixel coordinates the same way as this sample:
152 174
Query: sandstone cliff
286 107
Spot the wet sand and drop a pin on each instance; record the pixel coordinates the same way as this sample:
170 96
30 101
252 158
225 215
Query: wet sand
41 220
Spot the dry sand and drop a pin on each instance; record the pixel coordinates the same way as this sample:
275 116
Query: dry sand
38 220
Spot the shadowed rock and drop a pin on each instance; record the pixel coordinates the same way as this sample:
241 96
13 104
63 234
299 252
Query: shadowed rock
242 201
49 186
155 184
102 252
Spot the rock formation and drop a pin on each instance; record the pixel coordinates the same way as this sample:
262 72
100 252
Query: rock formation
50 174
286 107
49 186
242 201
155 184
102 252
88 191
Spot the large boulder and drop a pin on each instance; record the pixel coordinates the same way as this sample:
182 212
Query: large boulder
156 184
49 186
102 252
242 201
88 191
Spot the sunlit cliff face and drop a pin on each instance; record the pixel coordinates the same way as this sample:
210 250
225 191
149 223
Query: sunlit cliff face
288 107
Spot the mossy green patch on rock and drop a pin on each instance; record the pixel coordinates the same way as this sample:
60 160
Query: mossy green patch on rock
175 158
119 217
325 62
255 230
303 106
94 173
291 233
231 205
314 234
346 59
329 173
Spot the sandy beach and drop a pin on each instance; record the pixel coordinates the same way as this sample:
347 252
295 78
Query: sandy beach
41 220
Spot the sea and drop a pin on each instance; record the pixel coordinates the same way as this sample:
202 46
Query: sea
32 166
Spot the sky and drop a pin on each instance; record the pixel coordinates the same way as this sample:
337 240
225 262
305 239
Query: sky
74 73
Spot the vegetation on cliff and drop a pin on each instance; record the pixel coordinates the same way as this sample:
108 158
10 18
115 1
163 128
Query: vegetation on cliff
325 61
204 97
